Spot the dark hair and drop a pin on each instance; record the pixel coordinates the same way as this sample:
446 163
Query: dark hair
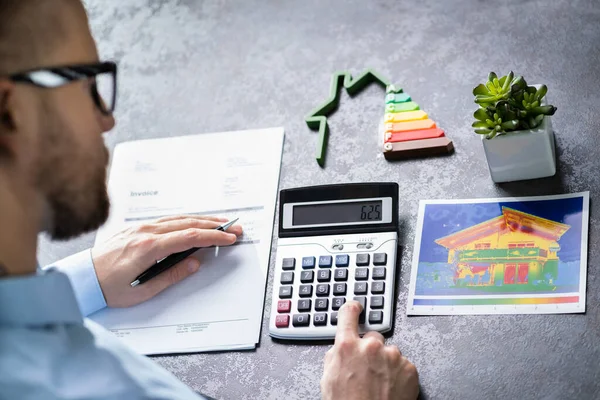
29 29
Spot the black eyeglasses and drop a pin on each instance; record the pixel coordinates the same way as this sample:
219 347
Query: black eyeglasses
103 75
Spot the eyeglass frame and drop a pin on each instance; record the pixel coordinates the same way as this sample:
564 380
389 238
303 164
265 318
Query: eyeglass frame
54 77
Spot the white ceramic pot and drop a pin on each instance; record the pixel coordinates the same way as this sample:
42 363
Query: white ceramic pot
521 155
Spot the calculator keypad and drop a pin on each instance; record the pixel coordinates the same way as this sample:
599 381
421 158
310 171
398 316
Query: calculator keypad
326 283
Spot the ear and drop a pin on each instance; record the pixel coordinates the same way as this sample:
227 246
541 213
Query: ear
7 116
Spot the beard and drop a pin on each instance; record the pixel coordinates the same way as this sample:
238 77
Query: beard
73 180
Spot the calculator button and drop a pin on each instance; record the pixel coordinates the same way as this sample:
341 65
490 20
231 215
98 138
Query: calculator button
361 274
324 275
307 276
288 263
339 289
340 275
305 290
379 258
284 306
287 277
325 261
361 288
320 319
321 304
363 302
282 321
362 259
337 303
378 288
342 260
334 318
376 302
375 317
301 320
323 290
308 262
285 292
379 273
304 305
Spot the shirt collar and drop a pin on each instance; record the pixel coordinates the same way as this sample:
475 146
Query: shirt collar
46 298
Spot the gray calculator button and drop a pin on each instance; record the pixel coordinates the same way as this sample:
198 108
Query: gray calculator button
308 262
379 258
324 275
307 276
321 304
323 290
378 287
301 320
304 305
305 291
337 303
285 292
361 288
287 277
363 302
339 289
288 263
340 275
362 259
334 318
361 274
379 273
376 302
320 319
325 261
375 317
342 260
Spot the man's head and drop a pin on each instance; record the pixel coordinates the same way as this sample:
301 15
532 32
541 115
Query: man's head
51 145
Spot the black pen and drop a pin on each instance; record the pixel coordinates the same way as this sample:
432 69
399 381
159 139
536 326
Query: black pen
171 260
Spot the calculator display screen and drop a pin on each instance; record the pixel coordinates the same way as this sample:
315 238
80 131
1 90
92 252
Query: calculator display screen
332 213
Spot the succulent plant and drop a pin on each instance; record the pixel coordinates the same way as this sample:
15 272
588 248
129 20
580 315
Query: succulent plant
508 104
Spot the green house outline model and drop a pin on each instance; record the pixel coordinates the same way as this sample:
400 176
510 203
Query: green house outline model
317 119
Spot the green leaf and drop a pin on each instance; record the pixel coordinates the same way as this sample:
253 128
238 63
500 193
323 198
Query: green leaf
492 76
507 82
482 131
481 114
518 84
510 125
545 110
484 99
479 124
481 89
541 92
539 119
492 134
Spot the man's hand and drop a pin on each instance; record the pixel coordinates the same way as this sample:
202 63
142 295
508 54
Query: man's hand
365 368
123 257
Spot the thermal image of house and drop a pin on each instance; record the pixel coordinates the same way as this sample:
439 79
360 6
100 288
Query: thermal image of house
514 248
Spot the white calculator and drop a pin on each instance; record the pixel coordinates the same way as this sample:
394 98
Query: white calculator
336 243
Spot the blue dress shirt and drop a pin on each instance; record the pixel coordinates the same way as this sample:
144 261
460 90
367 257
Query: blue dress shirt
49 351
80 270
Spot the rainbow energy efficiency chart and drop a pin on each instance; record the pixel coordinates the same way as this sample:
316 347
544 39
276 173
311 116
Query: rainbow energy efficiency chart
408 131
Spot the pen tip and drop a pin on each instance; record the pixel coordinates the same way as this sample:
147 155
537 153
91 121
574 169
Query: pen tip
135 283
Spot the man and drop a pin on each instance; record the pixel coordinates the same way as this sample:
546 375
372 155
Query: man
52 178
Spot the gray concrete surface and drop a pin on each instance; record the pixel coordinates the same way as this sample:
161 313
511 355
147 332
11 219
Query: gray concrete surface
190 67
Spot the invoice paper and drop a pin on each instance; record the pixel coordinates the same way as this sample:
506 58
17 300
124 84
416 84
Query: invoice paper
230 175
